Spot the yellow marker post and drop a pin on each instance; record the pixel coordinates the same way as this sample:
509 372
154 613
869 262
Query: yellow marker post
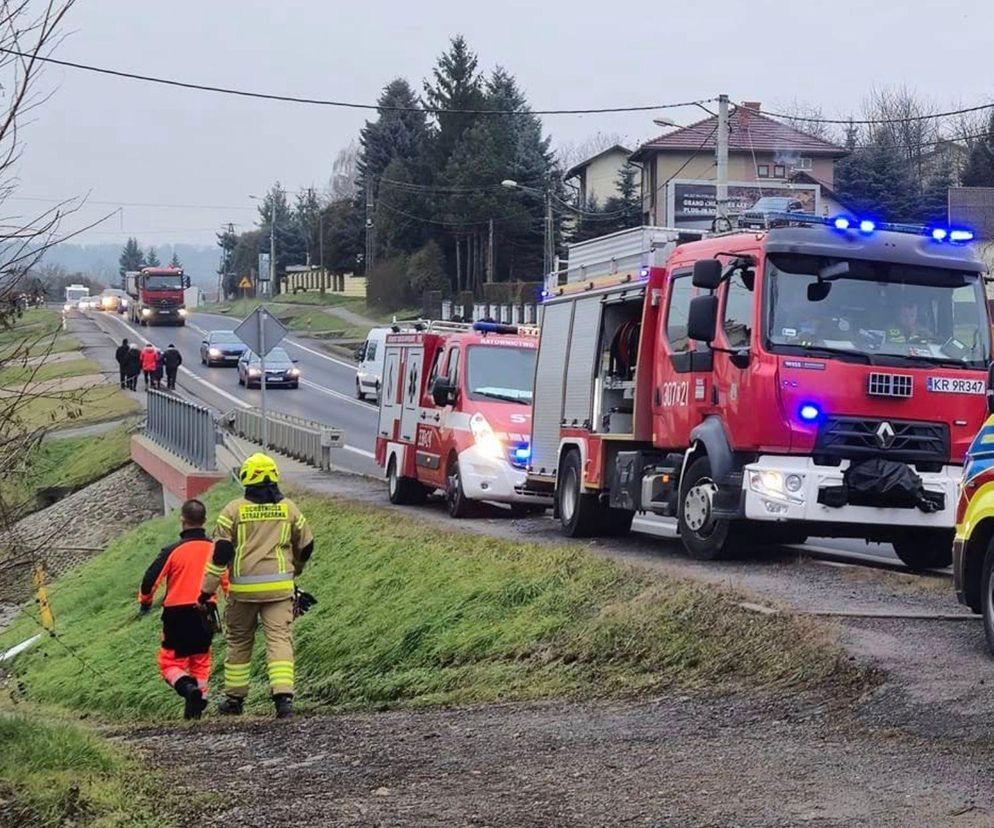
41 598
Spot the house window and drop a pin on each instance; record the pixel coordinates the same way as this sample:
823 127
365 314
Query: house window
762 171
779 171
803 164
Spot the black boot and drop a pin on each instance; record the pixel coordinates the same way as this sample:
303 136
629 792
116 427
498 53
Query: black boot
231 706
188 688
284 705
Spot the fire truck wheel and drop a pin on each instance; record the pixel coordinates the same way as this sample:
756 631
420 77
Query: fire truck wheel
703 537
402 490
926 549
456 502
987 596
579 513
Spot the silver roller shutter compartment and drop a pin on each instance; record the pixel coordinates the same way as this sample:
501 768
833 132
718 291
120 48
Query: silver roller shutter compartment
550 373
579 397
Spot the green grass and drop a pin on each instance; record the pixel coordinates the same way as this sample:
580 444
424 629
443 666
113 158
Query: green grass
17 374
411 615
81 407
36 332
73 462
58 774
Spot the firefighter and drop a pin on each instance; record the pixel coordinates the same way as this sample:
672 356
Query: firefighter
906 327
263 541
185 654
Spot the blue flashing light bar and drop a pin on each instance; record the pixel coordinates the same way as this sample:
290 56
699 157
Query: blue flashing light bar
522 453
494 327
866 226
809 412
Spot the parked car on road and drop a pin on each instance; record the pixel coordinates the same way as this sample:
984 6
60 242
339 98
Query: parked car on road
221 348
280 370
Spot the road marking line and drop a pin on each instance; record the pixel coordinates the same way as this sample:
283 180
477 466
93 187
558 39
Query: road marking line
363 452
336 394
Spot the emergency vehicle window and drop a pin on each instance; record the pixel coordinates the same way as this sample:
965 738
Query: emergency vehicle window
436 365
738 311
370 354
452 371
681 292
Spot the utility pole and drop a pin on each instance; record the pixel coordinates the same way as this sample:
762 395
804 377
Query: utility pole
549 242
490 253
721 160
272 250
370 229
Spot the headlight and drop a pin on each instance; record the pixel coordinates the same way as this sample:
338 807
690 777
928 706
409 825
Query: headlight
294 372
774 483
483 434
146 311
67 307
214 352
182 311
254 372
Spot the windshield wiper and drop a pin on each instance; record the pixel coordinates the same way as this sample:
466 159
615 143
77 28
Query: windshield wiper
932 360
496 395
827 351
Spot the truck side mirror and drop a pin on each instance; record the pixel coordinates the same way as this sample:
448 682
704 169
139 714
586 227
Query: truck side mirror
702 318
443 392
707 274
186 281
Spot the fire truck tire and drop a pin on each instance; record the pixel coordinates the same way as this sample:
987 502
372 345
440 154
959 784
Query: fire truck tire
579 513
987 596
617 522
926 549
456 502
403 491
704 537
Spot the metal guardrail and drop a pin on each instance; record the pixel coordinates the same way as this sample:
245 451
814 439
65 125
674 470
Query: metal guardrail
182 427
305 440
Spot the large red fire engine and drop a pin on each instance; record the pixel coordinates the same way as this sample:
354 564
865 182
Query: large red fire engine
455 414
822 377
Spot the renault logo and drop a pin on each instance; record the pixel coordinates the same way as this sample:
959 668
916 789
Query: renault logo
885 435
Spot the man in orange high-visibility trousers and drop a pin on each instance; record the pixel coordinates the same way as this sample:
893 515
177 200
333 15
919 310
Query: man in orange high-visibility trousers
263 541
185 654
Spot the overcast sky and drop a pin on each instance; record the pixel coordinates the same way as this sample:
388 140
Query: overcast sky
124 141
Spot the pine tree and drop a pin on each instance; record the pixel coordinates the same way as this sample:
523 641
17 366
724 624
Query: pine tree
290 247
132 257
456 86
979 170
876 180
394 134
174 261
152 258
306 215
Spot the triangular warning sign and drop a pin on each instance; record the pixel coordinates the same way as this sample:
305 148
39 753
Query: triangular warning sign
245 284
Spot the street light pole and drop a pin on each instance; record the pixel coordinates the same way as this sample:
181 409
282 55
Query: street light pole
272 247
549 244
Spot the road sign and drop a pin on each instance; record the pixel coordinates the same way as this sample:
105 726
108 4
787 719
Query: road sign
245 283
261 331
264 268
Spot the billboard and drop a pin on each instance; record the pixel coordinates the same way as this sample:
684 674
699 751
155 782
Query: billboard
692 204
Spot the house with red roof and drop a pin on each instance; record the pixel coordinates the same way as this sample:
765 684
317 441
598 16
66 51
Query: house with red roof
766 158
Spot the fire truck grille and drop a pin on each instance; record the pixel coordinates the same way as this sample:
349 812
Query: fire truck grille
889 385
903 440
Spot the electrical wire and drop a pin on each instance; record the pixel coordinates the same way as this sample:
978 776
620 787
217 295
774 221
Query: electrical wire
102 70
878 121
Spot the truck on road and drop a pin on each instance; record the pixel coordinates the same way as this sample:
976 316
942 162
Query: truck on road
76 292
823 377
157 295
455 415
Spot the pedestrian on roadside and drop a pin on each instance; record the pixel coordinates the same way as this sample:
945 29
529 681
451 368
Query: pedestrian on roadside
121 355
171 359
150 358
185 652
267 541
159 369
134 367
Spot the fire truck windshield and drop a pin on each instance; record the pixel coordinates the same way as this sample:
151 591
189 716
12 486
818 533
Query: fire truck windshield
164 282
877 312
499 372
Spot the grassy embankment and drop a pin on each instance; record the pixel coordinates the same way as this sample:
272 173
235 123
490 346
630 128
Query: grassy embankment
24 349
58 774
412 615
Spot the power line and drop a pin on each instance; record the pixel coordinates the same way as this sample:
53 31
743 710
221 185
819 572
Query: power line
84 201
101 70
876 121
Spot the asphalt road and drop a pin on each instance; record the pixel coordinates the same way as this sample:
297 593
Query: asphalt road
327 395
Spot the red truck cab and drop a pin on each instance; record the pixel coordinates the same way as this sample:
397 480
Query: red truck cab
816 379
157 295
455 415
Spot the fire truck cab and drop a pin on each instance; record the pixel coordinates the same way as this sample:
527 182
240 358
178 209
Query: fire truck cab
455 415
821 378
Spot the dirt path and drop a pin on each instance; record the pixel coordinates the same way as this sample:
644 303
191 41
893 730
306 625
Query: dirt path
665 762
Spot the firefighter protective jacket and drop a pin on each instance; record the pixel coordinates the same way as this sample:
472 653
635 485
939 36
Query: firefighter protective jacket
263 546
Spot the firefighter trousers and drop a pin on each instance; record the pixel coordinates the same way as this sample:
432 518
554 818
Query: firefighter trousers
242 618
174 667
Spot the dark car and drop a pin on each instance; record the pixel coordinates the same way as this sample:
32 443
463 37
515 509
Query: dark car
221 348
280 370
759 215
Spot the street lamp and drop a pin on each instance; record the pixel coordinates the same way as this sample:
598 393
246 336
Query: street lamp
548 252
664 122
272 241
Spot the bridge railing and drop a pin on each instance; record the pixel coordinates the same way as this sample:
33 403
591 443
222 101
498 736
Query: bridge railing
182 427
309 441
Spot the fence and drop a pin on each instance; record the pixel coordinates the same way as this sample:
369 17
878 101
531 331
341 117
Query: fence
305 440
182 427
526 314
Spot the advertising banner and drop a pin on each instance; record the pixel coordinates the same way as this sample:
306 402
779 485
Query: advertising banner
693 204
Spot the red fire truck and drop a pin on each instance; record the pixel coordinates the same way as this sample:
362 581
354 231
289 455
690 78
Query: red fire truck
824 377
455 415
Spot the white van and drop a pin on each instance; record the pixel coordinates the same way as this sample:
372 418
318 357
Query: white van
369 355
369 371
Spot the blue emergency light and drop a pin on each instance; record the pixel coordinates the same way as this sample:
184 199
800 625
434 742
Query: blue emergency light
522 453
809 412
494 327
868 226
